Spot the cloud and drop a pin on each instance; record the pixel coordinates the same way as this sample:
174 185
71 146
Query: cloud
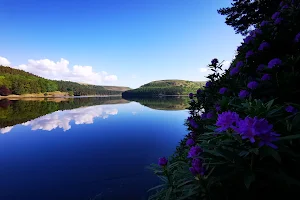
203 69
60 70
62 119
6 129
4 61
226 65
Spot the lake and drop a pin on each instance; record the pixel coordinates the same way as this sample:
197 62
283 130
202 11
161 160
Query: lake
85 148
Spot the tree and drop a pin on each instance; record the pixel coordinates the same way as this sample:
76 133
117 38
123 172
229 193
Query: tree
4 91
246 13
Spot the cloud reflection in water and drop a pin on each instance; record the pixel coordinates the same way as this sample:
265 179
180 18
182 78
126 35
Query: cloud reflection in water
62 119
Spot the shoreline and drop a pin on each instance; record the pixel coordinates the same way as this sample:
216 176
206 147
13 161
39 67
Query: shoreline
51 97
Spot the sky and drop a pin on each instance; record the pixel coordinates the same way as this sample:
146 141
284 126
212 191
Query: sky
115 42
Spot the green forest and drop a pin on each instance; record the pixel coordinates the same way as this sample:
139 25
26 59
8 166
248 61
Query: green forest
14 81
164 87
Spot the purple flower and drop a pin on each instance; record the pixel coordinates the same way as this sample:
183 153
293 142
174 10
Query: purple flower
274 62
194 151
208 84
190 142
252 85
214 61
162 161
197 167
204 116
192 122
218 108
264 23
255 32
191 95
297 38
243 94
240 64
249 128
290 109
258 32
248 39
234 71
275 15
266 77
263 45
223 90
227 120
245 129
249 53
260 67
267 139
284 7
192 134
239 48
281 4
210 114
199 91
278 21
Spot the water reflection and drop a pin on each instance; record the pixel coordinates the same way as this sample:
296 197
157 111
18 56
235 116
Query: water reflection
164 103
105 150
52 114
62 119
14 112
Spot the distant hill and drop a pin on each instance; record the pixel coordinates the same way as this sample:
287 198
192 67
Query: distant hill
19 82
113 88
165 87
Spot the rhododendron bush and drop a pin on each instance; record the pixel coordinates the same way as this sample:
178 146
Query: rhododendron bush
244 140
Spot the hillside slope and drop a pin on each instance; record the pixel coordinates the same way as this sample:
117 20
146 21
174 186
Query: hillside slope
19 82
164 87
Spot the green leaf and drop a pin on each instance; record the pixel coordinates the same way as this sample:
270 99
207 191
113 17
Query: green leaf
157 187
268 151
269 104
290 137
212 128
184 183
168 194
296 121
163 178
249 178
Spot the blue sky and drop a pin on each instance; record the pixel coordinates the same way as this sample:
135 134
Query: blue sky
115 42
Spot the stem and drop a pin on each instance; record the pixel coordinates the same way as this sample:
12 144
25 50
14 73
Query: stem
277 79
252 161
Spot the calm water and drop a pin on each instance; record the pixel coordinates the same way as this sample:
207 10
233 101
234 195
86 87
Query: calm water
85 147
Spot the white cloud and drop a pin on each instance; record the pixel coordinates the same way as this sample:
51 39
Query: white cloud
226 64
4 61
62 119
203 69
6 129
61 70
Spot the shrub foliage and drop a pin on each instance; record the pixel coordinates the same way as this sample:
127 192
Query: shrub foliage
245 124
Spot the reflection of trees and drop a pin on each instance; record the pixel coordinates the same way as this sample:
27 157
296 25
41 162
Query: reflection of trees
164 103
17 112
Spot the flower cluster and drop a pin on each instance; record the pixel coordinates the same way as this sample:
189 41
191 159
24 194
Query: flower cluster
249 128
252 105
162 161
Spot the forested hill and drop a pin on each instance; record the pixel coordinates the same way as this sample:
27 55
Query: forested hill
165 87
14 81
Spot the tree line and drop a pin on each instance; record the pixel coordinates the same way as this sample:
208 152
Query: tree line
14 81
